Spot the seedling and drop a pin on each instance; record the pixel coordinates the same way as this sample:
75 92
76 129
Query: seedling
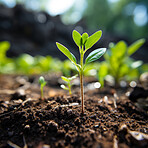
118 62
42 84
68 83
84 42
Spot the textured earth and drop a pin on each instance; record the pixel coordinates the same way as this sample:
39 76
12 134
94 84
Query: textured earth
110 118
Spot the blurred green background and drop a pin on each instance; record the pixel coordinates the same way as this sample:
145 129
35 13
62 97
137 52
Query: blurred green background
30 28
126 18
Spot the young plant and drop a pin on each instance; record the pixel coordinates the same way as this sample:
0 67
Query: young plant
84 42
68 82
118 62
42 84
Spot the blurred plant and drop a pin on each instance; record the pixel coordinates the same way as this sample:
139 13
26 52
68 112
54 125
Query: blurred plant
24 63
68 82
6 64
42 84
119 17
84 42
27 64
68 68
103 71
118 62
91 69
43 63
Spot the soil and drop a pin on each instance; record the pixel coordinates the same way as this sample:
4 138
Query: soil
111 119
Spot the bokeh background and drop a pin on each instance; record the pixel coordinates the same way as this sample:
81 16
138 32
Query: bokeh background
33 26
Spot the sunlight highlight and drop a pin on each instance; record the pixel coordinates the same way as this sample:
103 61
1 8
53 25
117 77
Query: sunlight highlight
140 15
55 7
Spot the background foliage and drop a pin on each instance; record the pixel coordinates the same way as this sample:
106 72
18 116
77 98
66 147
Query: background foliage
128 18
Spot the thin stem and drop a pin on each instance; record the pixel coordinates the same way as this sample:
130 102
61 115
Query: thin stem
69 86
42 93
81 80
82 92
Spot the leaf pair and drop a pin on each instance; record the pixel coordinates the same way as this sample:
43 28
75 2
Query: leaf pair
68 82
119 63
68 79
122 46
83 42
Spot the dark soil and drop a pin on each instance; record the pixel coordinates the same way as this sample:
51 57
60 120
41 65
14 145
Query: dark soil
57 121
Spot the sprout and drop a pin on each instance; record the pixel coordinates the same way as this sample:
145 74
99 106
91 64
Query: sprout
119 64
42 84
84 42
68 83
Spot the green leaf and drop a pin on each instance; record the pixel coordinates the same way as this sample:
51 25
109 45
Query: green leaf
72 78
93 39
119 50
42 81
65 78
107 55
94 55
64 87
103 71
65 51
135 46
84 38
77 38
43 84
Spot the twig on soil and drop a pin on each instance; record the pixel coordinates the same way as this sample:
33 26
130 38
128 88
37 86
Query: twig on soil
13 145
141 139
28 100
71 104
16 146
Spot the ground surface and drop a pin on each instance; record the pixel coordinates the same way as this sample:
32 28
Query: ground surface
57 121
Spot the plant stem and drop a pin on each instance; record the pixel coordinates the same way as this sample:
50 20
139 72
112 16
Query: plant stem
82 92
42 93
69 89
81 81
